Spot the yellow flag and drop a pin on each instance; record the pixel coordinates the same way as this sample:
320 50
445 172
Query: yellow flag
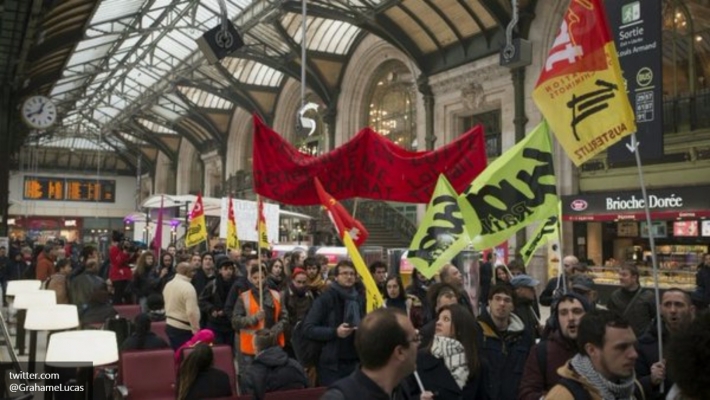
197 231
581 91
547 230
232 238
441 235
517 189
373 296
261 226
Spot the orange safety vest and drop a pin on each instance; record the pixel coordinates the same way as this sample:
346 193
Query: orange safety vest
246 336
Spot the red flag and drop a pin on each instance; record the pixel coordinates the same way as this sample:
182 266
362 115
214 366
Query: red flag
343 221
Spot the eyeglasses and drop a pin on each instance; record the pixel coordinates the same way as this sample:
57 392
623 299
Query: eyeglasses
347 273
300 282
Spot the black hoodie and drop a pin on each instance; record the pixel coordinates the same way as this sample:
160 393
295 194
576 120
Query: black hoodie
271 371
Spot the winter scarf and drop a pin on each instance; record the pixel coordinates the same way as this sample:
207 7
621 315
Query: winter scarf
609 390
352 312
454 356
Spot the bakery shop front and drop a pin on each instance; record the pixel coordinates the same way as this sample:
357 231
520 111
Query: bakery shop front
611 228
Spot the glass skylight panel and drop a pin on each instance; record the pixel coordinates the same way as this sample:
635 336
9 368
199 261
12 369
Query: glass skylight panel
163 112
96 41
205 99
112 9
130 138
66 85
154 127
95 53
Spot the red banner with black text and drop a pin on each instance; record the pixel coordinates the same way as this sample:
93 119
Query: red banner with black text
368 166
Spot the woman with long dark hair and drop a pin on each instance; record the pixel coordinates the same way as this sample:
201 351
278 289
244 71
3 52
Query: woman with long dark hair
145 280
277 279
395 297
199 379
142 337
451 365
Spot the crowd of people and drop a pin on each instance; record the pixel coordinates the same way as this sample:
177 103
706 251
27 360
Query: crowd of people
295 322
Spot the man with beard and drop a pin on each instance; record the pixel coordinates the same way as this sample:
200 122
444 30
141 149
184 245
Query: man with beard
677 312
604 367
332 320
551 353
212 300
250 315
298 300
451 275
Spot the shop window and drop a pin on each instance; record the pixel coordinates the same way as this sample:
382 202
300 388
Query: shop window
392 111
491 121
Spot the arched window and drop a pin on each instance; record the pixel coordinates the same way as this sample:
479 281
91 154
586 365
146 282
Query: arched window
392 111
686 47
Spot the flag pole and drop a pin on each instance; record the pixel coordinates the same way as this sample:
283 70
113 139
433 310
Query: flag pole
634 148
258 250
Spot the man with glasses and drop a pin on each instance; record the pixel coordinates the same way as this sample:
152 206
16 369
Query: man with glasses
332 320
386 343
555 288
181 306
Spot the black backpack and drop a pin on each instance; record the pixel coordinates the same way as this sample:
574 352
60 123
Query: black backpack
307 351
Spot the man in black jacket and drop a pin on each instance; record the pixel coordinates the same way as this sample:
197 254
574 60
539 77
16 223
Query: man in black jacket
272 370
386 343
332 320
212 301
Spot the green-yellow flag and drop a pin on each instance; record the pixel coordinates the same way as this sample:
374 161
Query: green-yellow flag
517 189
441 234
546 231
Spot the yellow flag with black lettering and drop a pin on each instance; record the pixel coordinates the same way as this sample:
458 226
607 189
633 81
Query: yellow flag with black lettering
548 230
373 297
441 235
581 90
516 189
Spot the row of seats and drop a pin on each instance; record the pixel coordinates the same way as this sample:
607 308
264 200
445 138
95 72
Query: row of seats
142 374
145 374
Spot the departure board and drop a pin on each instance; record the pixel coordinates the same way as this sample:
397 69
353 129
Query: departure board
69 189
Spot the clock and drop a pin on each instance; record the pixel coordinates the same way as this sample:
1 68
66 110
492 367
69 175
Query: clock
39 112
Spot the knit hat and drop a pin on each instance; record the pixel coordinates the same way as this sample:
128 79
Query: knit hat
298 271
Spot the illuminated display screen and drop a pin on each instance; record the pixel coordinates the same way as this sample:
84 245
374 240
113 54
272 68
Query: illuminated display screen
69 189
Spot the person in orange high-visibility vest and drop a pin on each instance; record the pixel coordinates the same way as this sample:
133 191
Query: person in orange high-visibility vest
249 316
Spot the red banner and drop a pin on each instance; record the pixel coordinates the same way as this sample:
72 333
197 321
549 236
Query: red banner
368 166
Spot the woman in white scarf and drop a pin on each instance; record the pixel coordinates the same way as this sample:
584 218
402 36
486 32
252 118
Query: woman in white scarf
450 367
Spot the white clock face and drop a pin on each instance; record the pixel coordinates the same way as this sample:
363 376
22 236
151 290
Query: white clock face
39 112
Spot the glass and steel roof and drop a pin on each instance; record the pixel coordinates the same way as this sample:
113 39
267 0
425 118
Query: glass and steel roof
137 61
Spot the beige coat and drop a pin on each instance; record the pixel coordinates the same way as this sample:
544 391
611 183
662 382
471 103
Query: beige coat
559 392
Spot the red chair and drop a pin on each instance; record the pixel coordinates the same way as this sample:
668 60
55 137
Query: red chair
298 394
143 374
224 361
159 329
128 311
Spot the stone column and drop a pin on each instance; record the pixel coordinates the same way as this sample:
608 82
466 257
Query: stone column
425 90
